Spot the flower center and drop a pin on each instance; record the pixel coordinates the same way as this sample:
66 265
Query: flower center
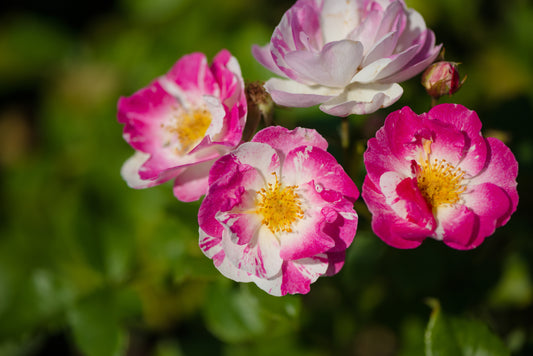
280 206
439 182
190 128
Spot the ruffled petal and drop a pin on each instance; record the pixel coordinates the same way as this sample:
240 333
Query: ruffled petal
311 164
284 140
212 248
260 257
192 75
502 171
391 228
298 275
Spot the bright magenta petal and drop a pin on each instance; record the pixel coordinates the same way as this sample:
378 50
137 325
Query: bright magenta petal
182 121
278 208
434 175
284 140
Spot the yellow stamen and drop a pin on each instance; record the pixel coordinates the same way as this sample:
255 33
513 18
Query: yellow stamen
190 128
439 182
279 206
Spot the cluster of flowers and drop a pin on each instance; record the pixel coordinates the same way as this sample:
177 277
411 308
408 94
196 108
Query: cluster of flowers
278 209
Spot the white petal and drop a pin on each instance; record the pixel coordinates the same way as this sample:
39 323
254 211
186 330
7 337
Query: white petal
334 66
130 171
338 19
271 285
260 156
290 93
369 73
217 116
362 99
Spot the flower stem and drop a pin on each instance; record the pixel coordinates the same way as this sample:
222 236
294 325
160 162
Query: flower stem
345 133
345 143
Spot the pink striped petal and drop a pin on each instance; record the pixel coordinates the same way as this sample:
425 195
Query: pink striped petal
284 140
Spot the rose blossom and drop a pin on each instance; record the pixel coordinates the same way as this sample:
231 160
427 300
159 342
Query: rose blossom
183 121
279 211
347 55
435 175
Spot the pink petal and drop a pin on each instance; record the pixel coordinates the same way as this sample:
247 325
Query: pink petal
306 164
130 172
260 257
228 75
367 30
391 228
340 224
381 49
243 225
192 74
192 182
425 56
336 262
226 178
306 240
404 197
393 19
459 116
211 247
415 27
460 227
264 56
475 154
402 133
305 25
298 275
143 113
490 202
486 207
502 170
284 140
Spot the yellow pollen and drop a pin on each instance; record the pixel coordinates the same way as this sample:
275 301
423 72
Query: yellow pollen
279 206
190 128
439 182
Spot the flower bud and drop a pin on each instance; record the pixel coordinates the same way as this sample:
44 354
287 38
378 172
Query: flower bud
260 106
442 78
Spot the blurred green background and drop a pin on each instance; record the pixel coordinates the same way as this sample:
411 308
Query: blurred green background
91 267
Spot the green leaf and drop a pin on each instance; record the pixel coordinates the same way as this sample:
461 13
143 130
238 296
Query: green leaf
95 325
411 341
243 313
453 336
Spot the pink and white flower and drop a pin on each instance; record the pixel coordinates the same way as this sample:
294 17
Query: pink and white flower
346 55
434 175
182 122
279 211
